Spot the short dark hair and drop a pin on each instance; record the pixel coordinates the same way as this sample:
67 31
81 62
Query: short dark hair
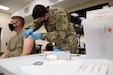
21 19
39 11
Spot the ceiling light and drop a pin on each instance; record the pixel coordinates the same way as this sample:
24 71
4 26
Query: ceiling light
3 7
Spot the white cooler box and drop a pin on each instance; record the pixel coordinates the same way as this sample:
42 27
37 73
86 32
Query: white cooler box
98 32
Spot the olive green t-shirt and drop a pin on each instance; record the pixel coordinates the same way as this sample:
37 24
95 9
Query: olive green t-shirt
15 45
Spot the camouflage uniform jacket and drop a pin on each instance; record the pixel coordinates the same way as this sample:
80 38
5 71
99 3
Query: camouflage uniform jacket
59 30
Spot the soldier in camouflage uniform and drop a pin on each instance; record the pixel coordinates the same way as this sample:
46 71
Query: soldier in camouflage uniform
57 23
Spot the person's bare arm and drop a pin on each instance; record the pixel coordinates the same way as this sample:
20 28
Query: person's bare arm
28 45
5 54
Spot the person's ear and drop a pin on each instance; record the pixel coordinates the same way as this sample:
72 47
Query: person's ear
47 15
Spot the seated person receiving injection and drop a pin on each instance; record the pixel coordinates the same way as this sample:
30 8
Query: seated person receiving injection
17 45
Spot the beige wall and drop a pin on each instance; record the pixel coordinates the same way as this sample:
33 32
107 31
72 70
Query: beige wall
5 33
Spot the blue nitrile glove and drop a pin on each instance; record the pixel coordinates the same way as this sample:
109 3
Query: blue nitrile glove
27 33
56 50
36 36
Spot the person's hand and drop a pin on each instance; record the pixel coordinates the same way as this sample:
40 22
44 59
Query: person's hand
56 50
27 33
36 36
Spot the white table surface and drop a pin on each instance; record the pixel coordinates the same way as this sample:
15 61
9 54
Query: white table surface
23 65
9 65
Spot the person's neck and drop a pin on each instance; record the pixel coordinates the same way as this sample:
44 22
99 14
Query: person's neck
19 30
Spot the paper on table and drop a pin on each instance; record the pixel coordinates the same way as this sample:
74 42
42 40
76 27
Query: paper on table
65 67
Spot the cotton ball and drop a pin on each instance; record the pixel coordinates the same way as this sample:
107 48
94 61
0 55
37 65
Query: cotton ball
52 57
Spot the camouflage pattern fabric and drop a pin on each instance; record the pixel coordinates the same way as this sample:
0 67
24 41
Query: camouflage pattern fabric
59 30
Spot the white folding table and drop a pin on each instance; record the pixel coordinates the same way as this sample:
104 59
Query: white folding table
78 65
